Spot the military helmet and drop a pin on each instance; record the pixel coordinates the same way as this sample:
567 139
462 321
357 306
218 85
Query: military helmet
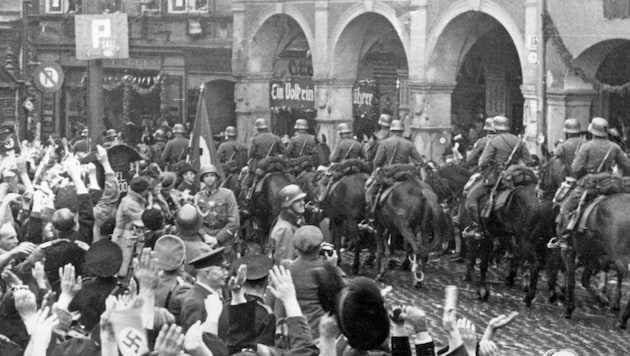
159 135
206 169
598 127
290 194
188 220
343 128
572 126
179 128
385 120
261 124
301 124
397 125
489 124
501 123
230 131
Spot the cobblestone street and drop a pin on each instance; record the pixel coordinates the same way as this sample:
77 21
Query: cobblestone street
591 331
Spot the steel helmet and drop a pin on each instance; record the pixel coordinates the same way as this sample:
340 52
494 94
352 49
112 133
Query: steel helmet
206 169
489 124
159 135
397 125
290 194
230 131
385 120
501 123
572 126
598 127
179 128
261 123
188 221
301 124
343 128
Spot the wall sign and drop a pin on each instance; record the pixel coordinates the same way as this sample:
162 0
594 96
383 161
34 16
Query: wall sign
293 93
101 36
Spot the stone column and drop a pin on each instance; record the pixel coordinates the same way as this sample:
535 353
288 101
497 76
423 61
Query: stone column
530 78
431 117
251 94
334 106
563 105
530 114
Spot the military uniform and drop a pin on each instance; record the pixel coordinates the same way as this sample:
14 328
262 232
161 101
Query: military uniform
175 151
221 218
266 144
395 150
567 151
229 153
379 137
492 161
302 144
347 148
477 150
172 286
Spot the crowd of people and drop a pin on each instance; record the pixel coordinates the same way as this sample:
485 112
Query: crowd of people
90 270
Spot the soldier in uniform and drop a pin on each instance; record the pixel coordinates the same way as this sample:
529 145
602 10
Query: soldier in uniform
219 209
258 267
568 149
231 153
595 156
264 144
347 147
289 219
174 282
159 138
393 150
492 162
473 157
384 121
176 149
303 143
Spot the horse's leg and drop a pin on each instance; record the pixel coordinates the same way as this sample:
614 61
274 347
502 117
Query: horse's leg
533 280
595 293
470 258
568 256
353 234
486 254
553 269
621 271
380 252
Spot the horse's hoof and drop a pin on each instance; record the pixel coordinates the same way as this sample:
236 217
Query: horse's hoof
483 293
622 324
417 284
568 312
528 301
603 301
615 307
406 265
553 298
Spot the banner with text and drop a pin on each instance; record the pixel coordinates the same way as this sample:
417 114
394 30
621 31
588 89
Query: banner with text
293 93
364 95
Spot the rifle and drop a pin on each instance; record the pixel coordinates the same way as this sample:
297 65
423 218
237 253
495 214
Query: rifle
487 208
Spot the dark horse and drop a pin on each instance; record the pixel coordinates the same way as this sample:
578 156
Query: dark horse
603 243
344 203
524 224
265 204
412 210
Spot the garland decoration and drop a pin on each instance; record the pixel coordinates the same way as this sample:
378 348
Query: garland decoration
551 32
126 100
164 109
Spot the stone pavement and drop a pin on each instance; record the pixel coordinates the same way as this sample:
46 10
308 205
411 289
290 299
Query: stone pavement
536 329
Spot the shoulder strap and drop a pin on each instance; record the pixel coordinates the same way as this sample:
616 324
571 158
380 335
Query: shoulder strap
271 148
348 151
303 145
391 160
601 164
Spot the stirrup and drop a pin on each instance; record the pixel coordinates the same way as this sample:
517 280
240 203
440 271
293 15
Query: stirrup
366 225
558 242
471 231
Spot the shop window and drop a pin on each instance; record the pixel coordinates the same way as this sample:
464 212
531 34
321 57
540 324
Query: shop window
179 6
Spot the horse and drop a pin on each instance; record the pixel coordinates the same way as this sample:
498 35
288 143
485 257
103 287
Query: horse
524 224
411 209
265 204
603 242
233 183
344 203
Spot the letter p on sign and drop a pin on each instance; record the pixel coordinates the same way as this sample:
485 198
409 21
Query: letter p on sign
101 28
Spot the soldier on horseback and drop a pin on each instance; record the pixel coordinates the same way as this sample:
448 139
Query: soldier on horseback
384 121
303 143
568 149
264 144
231 153
347 147
393 150
593 158
501 150
473 157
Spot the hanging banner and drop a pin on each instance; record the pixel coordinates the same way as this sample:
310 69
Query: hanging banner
101 36
296 93
364 97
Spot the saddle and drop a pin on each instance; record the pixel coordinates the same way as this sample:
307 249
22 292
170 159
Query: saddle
393 173
348 167
587 212
269 165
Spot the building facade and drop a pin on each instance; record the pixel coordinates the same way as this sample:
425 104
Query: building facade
441 66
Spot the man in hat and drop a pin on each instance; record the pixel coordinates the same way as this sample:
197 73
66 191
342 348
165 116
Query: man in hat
81 145
595 156
219 209
264 144
174 282
303 143
493 160
112 138
159 139
128 215
347 147
176 149
102 262
254 287
480 144
568 149
290 218
393 150
384 122
187 185
188 223
210 277
231 153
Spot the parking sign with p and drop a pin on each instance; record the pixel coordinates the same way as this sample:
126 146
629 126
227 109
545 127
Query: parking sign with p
101 36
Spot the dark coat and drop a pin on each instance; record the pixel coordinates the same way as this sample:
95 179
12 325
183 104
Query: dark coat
265 322
300 145
194 307
90 300
347 148
396 150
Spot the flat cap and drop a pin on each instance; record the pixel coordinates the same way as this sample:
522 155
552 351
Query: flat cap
208 259
170 252
103 259
139 184
258 266
307 238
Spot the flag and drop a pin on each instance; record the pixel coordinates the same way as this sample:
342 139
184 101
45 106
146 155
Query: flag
202 150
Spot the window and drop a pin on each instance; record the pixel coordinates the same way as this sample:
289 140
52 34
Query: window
151 6
179 6
616 9
55 6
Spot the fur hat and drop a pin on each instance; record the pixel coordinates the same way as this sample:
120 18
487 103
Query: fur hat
361 314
